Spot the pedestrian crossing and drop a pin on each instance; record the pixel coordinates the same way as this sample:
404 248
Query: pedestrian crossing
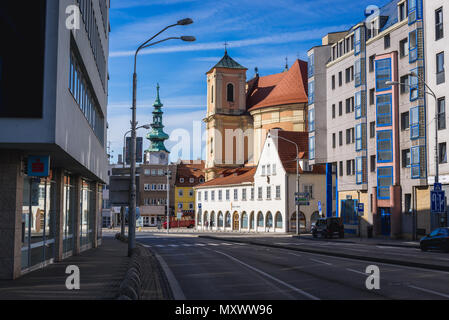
197 244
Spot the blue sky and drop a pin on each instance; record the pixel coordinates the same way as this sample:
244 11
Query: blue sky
260 34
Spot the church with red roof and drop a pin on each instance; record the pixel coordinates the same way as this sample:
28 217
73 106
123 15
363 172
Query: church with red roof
240 112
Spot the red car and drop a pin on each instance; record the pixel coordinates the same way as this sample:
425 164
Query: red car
183 223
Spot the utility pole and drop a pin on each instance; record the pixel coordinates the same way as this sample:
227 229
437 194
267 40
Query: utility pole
168 198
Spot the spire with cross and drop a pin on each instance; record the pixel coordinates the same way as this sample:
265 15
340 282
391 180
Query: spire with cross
286 64
226 47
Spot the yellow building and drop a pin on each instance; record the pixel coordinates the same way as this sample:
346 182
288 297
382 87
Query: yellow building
189 174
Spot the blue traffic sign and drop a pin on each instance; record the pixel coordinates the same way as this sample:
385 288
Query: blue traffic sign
437 186
361 208
437 201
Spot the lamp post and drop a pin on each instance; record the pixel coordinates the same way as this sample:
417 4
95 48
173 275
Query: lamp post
168 174
431 93
147 126
132 195
298 231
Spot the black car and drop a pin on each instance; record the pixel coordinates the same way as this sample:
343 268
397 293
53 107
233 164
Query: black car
327 227
437 239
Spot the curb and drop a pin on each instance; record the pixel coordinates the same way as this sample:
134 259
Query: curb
340 255
370 244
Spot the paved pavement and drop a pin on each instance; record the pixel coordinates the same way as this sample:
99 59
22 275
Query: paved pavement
101 272
209 269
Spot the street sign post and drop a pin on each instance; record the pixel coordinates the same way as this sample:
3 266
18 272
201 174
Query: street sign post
302 198
437 201
361 209
320 209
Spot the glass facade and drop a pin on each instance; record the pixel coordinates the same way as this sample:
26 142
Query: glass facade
87 214
38 221
68 213
383 110
384 181
384 146
383 74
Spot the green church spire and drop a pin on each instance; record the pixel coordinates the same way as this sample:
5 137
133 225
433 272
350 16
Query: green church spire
157 136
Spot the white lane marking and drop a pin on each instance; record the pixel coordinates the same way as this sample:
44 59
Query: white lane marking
173 245
147 246
200 244
359 272
319 261
160 245
174 284
308 295
226 244
429 291
186 244
213 244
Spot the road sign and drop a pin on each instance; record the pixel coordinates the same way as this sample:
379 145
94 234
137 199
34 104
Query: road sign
38 166
437 187
199 205
437 201
320 209
361 209
302 198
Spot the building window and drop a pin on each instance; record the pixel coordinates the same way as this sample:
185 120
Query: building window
190 206
413 11
440 68
259 193
333 111
192 180
402 11
415 162
333 82
268 193
406 158
340 79
181 180
415 122
312 147
439 31
383 74
408 203
383 114
348 136
371 63
311 120
359 170
358 73
220 195
405 121
181 193
263 171
358 105
414 87
359 136
278 192
227 195
311 65
357 41
311 92
349 74
384 146
372 96
442 153
230 92
333 140
387 41
236 194
205 196
441 113
372 129
341 169
403 48
199 195
348 167
274 169
340 108
244 194
268 170
404 84
308 188
373 163
252 193
340 138
384 181
212 195
413 46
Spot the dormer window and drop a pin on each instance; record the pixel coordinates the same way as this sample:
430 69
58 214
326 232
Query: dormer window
181 180
230 92
192 180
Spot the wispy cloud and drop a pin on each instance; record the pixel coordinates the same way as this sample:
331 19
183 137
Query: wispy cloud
287 37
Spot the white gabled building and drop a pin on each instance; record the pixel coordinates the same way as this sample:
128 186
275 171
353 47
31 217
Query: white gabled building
262 198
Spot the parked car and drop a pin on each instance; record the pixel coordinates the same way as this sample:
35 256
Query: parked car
437 239
328 227
183 223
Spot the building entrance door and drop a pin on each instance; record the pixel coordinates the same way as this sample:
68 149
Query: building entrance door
385 217
235 225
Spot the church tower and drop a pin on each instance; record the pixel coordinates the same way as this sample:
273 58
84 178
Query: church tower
157 153
228 124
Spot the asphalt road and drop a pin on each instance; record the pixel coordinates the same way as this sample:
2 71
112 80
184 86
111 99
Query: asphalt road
207 269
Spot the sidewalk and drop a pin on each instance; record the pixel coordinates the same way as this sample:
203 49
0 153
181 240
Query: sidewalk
369 241
101 272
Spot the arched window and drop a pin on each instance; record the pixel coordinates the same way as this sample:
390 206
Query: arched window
251 221
230 92
260 219
212 219
278 220
205 218
228 220
220 219
244 220
269 222
199 219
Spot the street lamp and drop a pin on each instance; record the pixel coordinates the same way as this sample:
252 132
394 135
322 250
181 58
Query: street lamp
298 232
132 196
168 174
431 93
147 126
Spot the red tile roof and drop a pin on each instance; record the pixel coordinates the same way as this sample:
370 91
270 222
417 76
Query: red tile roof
232 177
189 170
279 89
